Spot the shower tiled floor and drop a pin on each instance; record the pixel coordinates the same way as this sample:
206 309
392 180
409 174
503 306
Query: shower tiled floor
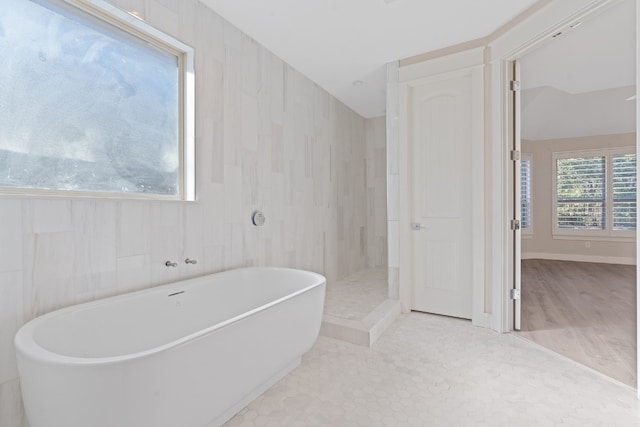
356 308
429 370
357 295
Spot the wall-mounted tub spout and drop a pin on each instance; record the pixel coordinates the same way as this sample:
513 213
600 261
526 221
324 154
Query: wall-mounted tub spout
171 264
190 261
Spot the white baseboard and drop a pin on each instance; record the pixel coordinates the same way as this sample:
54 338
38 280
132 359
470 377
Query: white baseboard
580 258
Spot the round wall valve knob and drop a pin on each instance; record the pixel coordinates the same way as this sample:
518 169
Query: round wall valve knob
258 218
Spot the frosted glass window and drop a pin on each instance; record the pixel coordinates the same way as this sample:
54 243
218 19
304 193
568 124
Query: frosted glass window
85 105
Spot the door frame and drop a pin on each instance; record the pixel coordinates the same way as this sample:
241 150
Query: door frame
511 46
516 196
471 61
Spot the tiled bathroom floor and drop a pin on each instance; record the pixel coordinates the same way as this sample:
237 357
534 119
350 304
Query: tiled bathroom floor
357 295
435 371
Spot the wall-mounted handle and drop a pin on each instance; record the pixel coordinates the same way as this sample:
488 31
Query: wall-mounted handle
171 264
190 261
416 226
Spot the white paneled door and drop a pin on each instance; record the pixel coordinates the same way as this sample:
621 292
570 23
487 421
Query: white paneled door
440 143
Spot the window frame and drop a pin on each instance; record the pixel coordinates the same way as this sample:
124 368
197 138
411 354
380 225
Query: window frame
133 25
608 233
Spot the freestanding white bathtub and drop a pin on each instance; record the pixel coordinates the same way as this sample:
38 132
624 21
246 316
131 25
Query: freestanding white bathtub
188 354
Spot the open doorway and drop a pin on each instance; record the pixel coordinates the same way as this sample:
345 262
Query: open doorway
578 193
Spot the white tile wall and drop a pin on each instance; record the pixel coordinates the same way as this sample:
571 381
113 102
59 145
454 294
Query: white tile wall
95 249
267 138
133 273
11 318
49 275
47 216
376 185
394 244
133 229
393 179
11 236
11 411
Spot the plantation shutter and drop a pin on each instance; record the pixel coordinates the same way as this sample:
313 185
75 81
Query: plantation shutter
624 191
525 192
581 193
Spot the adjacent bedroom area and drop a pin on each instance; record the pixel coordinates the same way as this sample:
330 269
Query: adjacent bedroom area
578 194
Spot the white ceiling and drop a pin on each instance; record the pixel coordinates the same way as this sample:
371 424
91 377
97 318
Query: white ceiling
599 54
338 42
578 84
549 113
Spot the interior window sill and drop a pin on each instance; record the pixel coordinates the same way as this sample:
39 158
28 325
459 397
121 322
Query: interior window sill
618 239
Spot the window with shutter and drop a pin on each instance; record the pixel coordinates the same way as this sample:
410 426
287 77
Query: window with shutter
595 193
581 193
624 191
525 193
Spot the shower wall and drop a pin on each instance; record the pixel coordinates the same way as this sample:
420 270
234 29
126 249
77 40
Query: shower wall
376 183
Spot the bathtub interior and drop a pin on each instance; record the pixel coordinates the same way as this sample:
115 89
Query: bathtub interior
142 321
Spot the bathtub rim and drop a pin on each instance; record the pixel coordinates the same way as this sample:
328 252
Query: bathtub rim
26 345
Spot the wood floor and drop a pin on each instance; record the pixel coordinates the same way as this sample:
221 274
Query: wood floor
585 311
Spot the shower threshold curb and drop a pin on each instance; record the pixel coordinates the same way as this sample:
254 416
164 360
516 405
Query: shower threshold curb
363 332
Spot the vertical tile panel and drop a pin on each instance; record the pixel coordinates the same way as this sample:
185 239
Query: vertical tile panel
250 186
49 272
165 246
167 239
276 88
232 36
393 189
214 215
214 258
394 244
277 149
164 15
133 222
135 7
249 122
95 248
133 273
393 169
380 207
193 240
11 318
250 244
209 34
233 246
47 216
187 28
10 235
250 68
233 193
11 409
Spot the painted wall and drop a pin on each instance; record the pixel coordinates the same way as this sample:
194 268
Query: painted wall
376 182
541 243
267 138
